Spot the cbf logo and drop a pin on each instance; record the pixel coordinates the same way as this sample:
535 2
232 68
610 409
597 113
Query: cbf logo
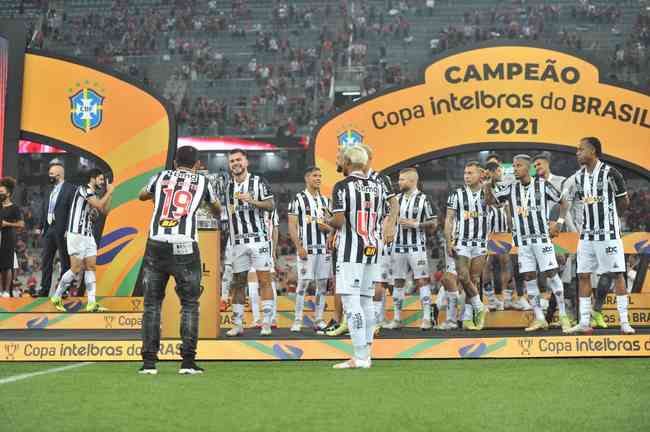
86 109
350 137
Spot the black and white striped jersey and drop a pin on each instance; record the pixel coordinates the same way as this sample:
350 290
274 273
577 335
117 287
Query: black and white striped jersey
246 221
362 201
413 206
472 216
80 220
598 192
177 196
499 219
308 209
529 206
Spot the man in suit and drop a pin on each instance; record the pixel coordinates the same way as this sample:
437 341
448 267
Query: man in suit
54 220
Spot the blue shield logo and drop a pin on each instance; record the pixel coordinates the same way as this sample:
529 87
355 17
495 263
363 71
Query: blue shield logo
350 138
86 108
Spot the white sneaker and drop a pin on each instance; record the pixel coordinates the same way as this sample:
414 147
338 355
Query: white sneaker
354 364
266 330
579 329
626 328
495 305
235 331
426 325
297 326
447 325
6 294
393 325
522 304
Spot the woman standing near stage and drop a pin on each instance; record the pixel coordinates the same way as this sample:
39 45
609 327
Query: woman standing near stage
10 219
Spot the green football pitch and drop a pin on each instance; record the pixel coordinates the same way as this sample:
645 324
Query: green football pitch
469 395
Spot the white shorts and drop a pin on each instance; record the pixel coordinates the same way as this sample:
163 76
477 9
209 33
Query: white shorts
81 246
537 256
384 269
355 279
416 261
602 256
245 257
470 252
315 267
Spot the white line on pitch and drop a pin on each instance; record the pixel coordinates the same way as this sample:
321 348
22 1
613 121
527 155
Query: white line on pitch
44 372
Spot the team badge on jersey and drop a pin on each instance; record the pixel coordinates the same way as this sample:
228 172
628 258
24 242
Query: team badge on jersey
86 109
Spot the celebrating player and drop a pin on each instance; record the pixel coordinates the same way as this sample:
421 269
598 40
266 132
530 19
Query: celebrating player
528 200
248 197
308 232
173 250
601 188
415 217
80 240
358 204
467 212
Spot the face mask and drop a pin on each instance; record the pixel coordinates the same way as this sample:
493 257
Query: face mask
52 179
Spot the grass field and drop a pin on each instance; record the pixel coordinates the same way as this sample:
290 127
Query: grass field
470 395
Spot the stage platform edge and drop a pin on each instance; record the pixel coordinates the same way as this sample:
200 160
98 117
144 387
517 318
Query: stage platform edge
521 346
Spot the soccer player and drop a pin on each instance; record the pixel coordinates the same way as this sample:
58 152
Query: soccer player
450 283
80 240
173 250
468 213
248 197
528 200
601 188
357 206
308 232
415 218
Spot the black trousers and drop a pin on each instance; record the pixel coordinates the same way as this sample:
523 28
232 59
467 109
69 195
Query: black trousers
51 244
159 265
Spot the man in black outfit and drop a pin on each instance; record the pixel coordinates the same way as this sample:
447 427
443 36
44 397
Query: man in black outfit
54 220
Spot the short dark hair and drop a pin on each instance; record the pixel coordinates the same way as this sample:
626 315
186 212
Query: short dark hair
310 169
473 163
9 183
238 150
493 156
186 156
595 143
94 173
543 155
492 166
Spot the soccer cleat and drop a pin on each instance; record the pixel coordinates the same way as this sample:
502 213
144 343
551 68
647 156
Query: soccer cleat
235 331
353 364
338 331
598 320
469 325
320 325
147 369
626 328
95 307
393 325
426 325
565 322
266 330
480 318
330 326
297 326
188 367
579 329
58 303
537 325
447 325
495 305
522 304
